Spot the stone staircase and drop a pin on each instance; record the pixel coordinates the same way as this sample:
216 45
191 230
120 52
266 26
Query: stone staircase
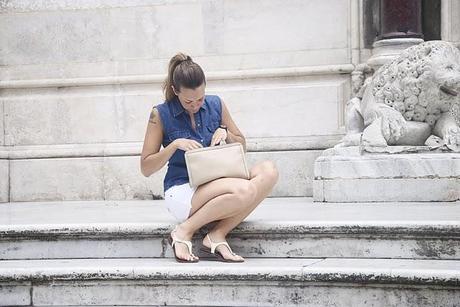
298 253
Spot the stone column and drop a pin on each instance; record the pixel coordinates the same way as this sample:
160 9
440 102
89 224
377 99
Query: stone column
450 21
400 27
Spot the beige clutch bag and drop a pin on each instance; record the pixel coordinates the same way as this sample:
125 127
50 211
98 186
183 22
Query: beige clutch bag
209 163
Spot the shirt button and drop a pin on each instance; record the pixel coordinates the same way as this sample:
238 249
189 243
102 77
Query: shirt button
201 140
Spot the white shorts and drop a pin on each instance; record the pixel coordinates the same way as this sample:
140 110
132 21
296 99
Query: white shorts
178 201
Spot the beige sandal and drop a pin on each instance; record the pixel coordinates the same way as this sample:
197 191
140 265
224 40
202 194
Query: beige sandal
212 254
173 241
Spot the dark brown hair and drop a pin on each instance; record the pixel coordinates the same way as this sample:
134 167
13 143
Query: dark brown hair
182 72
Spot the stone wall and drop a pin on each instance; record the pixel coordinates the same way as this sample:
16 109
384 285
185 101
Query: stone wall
78 80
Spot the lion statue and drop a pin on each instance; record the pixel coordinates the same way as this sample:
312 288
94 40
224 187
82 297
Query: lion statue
408 99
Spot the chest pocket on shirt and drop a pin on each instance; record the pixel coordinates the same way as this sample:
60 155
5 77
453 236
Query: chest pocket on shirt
212 127
178 134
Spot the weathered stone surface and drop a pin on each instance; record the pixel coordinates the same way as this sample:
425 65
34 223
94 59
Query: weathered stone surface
296 244
120 177
2 127
295 170
104 32
93 88
287 282
90 178
407 271
123 180
292 227
387 166
69 118
57 179
219 293
450 18
15 293
109 247
343 175
390 190
297 106
113 122
4 180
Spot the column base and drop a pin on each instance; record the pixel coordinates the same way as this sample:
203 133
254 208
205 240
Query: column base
386 50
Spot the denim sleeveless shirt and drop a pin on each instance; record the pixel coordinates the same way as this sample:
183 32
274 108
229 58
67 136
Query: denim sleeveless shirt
177 124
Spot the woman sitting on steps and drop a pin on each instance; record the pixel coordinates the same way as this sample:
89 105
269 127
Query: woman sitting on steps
186 120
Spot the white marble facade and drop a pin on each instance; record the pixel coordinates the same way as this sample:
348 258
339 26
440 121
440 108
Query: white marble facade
78 80
106 38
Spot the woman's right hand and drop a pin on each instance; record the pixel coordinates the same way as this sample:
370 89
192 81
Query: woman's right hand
186 144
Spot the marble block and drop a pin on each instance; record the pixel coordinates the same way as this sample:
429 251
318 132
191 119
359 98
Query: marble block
119 177
344 175
16 293
53 39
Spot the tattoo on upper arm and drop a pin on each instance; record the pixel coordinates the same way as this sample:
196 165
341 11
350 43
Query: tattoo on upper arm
153 117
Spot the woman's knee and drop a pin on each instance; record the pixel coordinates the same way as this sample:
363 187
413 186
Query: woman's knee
270 171
245 191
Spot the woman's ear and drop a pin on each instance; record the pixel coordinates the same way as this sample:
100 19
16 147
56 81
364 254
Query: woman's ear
174 90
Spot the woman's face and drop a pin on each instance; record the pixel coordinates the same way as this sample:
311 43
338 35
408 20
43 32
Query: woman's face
191 100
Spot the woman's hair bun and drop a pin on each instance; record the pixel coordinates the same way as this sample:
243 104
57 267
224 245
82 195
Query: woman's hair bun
190 75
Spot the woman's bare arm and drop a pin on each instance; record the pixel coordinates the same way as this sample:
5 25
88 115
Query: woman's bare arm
233 133
152 158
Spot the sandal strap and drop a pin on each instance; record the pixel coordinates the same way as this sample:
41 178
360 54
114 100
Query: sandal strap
188 243
215 244
222 243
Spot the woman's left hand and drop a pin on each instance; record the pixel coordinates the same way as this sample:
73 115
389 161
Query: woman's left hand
218 136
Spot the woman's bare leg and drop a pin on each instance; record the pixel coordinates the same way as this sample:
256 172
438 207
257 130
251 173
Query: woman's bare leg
264 176
212 201
229 200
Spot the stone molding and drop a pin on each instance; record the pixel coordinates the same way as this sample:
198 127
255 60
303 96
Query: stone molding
22 6
159 78
316 142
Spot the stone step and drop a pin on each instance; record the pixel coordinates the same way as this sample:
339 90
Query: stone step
283 227
256 282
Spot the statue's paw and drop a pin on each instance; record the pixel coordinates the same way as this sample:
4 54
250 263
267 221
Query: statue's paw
393 126
351 139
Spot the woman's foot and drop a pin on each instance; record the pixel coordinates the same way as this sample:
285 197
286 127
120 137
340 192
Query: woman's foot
181 248
226 253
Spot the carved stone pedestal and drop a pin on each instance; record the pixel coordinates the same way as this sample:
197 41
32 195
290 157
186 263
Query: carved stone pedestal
343 175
